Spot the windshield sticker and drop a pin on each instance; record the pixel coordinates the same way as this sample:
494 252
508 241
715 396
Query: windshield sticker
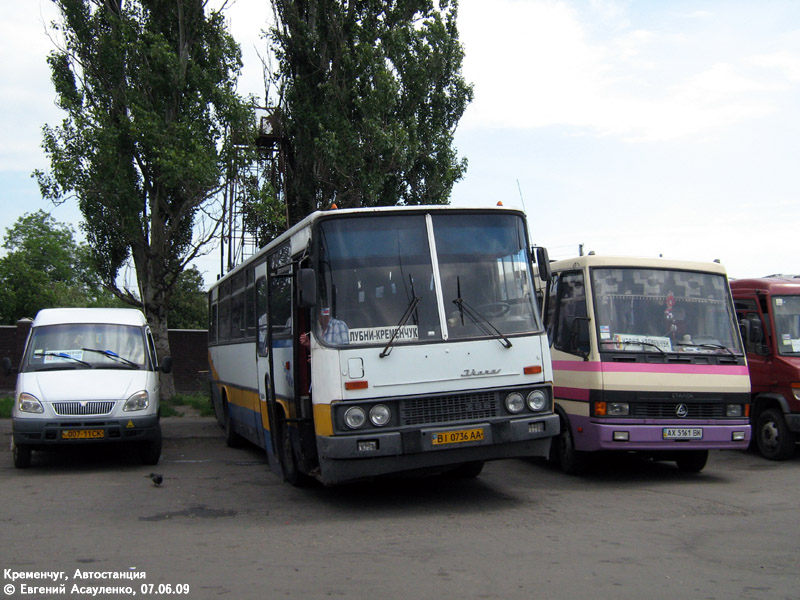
383 334
626 341
787 339
796 345
605 332
70 355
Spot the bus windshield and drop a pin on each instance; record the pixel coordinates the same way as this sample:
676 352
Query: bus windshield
660 310
787 324
85 346
377 273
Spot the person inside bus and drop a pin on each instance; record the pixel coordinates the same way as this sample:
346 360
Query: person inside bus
333 331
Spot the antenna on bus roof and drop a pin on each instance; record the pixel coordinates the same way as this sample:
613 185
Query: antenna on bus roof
521 198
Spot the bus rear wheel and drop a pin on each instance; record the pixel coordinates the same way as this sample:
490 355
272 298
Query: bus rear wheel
232 439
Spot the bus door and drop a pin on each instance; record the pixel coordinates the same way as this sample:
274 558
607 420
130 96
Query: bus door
265 392
754 323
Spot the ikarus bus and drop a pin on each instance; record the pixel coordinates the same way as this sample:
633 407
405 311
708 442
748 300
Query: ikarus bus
366 342
647 357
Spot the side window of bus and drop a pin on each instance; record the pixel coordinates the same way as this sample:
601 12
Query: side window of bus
261 312
571 309
751 326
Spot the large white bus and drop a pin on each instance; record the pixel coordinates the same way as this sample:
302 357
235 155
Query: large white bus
647 357
364 342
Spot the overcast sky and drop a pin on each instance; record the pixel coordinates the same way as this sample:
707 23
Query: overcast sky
637 128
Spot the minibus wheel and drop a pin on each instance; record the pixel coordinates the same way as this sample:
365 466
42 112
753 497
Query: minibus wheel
563 453
692 461
150 452
22 455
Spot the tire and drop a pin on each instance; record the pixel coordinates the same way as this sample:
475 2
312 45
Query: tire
22 455
150 452
692 461
468 470
291 472
773 438
232 439
563 453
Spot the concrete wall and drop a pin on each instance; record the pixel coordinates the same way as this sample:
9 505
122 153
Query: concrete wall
189 348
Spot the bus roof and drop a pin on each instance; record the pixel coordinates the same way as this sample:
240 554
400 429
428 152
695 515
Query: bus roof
594 260
308 221
115 316
784 284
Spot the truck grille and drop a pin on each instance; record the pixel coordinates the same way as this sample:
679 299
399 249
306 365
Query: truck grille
71 409
447 409
666 410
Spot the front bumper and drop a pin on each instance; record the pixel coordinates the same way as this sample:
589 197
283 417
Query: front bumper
46 432
372 453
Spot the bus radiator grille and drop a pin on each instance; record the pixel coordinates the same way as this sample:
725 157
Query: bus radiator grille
69 409
667 410
447 409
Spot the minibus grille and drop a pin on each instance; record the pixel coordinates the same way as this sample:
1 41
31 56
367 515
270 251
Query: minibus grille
447 409
668 410
71 409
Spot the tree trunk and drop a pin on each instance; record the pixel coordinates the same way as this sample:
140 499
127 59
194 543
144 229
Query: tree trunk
158 326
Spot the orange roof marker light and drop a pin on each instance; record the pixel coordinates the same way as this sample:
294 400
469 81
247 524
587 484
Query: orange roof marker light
499 203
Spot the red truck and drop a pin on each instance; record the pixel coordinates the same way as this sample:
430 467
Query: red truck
768 310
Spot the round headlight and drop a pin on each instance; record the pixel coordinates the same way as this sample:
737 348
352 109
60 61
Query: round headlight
515 402
537 400
380 415
355 417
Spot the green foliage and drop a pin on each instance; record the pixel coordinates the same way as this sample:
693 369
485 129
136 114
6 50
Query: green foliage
373 93
188 305
6 404
175 406
44 267
148 88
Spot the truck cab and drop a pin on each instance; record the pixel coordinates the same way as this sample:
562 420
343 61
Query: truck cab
768 310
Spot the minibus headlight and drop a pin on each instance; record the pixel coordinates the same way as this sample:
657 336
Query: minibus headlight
537 400
515 402
796 390
355 417
30 404
139 401
379 415
733 410
618 409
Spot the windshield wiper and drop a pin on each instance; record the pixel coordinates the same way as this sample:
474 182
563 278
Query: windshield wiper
113 355
62 355
714 346
635 342
403 320
491 330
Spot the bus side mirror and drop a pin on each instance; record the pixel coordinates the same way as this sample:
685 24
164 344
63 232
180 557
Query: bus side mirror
6 366
306 288
543 262
166 364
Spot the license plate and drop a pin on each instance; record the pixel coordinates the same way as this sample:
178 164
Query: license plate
83 434
682 433
457 437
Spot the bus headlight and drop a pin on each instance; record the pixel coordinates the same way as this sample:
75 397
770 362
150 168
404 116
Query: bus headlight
618 409
379 415
537 400
30 404
733 410
515 402
355 417
139 401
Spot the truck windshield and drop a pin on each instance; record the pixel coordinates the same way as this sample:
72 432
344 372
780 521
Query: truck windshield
85 345
660 310
373 270
787 324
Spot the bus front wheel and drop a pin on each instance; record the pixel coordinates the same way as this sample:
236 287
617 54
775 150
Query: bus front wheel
773 438
563 453
692 461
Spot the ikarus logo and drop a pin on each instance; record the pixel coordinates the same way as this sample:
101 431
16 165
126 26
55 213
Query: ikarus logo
479 373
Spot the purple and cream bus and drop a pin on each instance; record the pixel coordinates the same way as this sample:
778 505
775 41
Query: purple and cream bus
647 357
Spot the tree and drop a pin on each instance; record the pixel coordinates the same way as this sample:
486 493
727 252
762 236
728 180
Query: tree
148 87
44 267
372 92
188 306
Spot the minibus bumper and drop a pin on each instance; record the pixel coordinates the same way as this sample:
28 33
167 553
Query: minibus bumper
42 433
